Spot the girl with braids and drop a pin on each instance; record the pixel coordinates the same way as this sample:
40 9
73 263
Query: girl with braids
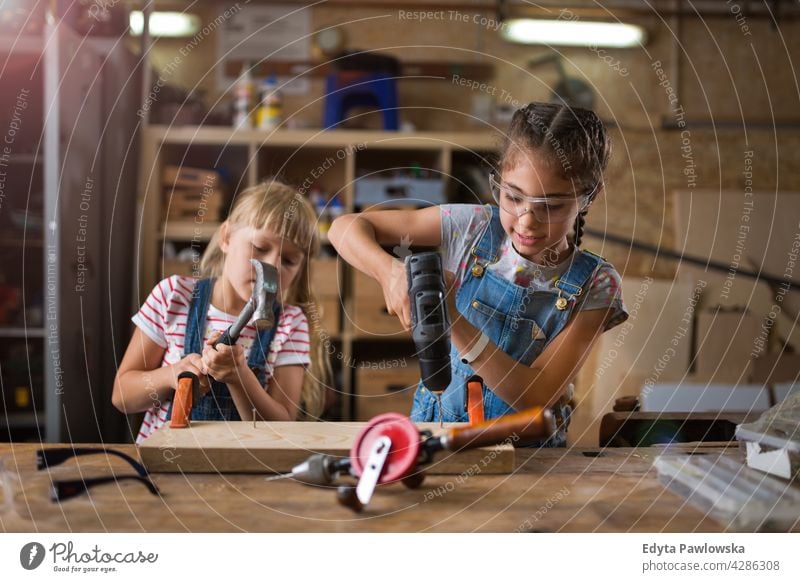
177 325
529 302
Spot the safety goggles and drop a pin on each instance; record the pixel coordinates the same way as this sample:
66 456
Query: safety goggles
547 210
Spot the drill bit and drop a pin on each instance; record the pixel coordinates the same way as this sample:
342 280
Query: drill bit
441 413
279 477
318 469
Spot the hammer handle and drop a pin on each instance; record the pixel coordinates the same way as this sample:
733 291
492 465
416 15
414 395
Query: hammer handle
226 338
532 423
183 400
475 400
231 335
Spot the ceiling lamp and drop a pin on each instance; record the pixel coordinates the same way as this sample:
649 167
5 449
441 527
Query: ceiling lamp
572 33
166 24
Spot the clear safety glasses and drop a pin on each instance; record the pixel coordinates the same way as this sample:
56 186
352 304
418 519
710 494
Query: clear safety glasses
550 209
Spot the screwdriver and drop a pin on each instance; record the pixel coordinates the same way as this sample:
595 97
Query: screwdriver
318 469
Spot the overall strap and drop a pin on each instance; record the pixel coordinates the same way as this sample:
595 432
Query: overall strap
195 323
196 320
487 249
577 277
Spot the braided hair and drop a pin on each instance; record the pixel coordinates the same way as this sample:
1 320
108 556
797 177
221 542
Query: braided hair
580 221
572 140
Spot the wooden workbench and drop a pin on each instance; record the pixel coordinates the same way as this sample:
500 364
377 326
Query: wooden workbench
551 490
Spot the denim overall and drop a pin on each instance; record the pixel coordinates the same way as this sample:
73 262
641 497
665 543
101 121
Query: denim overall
517 319
218 403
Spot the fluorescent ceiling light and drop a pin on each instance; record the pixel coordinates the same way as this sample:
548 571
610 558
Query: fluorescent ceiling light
173 24
573 33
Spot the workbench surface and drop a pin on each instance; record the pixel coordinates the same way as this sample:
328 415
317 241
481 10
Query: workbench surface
552 490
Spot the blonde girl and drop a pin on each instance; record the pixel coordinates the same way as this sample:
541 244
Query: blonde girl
276 374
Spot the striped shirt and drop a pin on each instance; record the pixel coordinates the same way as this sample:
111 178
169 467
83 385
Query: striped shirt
163 319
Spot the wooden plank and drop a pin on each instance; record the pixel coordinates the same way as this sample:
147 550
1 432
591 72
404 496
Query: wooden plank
276 447
425 70
321 139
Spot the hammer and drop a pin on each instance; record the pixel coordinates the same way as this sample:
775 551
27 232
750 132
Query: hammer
260 304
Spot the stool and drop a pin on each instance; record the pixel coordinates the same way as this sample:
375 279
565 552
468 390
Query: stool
347 89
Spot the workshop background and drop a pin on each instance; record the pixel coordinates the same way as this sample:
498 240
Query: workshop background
112 130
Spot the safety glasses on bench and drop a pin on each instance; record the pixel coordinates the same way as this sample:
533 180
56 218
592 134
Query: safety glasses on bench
66 489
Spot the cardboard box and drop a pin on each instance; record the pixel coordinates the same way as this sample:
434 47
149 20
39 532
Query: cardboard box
399 191
369 315
371 319
327 317
193 204
185 177
724 344
325 280
385 386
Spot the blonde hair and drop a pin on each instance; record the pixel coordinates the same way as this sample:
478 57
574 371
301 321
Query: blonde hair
280 208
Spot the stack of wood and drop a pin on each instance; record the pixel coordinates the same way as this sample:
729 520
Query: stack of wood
192 195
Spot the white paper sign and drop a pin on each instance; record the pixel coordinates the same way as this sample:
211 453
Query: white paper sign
260 33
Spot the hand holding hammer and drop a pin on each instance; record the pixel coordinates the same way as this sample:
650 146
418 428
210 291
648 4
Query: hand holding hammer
258 306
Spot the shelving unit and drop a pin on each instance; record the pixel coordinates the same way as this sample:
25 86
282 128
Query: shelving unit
23 339
65 178
248 156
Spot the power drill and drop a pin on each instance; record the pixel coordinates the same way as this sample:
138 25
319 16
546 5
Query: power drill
429 320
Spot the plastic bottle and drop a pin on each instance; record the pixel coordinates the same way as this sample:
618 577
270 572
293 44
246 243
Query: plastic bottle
242 97
321 206
335 208
270 112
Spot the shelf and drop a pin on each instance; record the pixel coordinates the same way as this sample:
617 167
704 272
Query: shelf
293 153
21 332
189 231
319 138
419 70
22 420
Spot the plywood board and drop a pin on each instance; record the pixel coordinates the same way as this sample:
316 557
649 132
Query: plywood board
654 345
276 447
757 231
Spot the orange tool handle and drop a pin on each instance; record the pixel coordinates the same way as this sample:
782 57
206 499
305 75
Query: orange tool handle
182 403
475 400
531 423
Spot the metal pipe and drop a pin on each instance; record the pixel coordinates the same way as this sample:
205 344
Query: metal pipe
665 8
694 260
675 65
147 71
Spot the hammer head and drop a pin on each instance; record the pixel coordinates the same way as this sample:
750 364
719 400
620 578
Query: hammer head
264 292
